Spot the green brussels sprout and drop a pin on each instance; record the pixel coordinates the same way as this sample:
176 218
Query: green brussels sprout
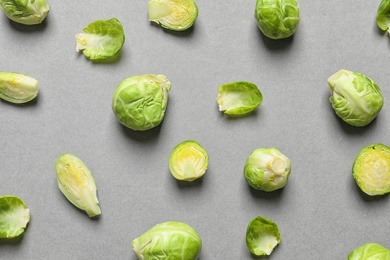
371 169
76 182
139 102
370 251
168 240
267 169
14 216
383 15
27 12
262 236
277 19
238 98
17 88
176 15
102 39
188 161
355 98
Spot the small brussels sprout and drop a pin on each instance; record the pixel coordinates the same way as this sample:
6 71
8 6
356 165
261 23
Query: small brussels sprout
188 161
370 251
176 15
267 169
76 182
139 102
355 98
238 98
27 12
17 88
168 240
102 39
14 216
383 15
371 169
277 19
262 236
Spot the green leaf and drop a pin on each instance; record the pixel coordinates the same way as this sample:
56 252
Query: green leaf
27 12
14 216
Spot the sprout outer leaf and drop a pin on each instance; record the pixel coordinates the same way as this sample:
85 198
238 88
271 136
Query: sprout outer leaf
28 12
17 88
383 15
14 216
370 251
262 236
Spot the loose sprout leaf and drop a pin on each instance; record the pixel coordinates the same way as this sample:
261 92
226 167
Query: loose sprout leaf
188 161
383 15
14 216
102 39
76 182
238 98
262 236
17 88
177 15
370 251
27 12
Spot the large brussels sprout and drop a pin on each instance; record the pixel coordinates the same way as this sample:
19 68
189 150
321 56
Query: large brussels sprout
383 15
176 15
370 251
14 216
168 241
102 39
238 98
27 12
267 169
17 88
355 98
262 236
139 102
76 182
188 161
371 169
277 19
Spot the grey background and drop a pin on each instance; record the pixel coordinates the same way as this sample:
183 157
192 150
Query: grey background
321 212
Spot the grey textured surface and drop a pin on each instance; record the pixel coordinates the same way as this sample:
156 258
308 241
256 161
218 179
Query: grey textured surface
321 213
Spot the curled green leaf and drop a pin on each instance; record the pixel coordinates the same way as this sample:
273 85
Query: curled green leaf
14 216
383 16
27 12
262 236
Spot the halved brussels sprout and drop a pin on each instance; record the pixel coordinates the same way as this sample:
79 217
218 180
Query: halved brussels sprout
262 236
176 15
267 169
17 88
27 12
168 240
238 98
188 161
371 169
277 19
370 251
102 39
139 102
383 15
76 182
14 216
355 98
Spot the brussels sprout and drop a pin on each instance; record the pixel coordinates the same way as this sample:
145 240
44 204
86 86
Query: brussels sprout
277 19
139 102
262 236
102 39
370 251
168 240
25 11
383 15
355 98
77 184
188 161
17 88
267 169
14 216
238 98
371 169
176 15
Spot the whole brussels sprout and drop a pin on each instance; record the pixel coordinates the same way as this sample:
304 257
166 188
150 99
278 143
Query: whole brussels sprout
355 98
262 236
371 169
370 251
168 240
277 19
139 102
267 169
